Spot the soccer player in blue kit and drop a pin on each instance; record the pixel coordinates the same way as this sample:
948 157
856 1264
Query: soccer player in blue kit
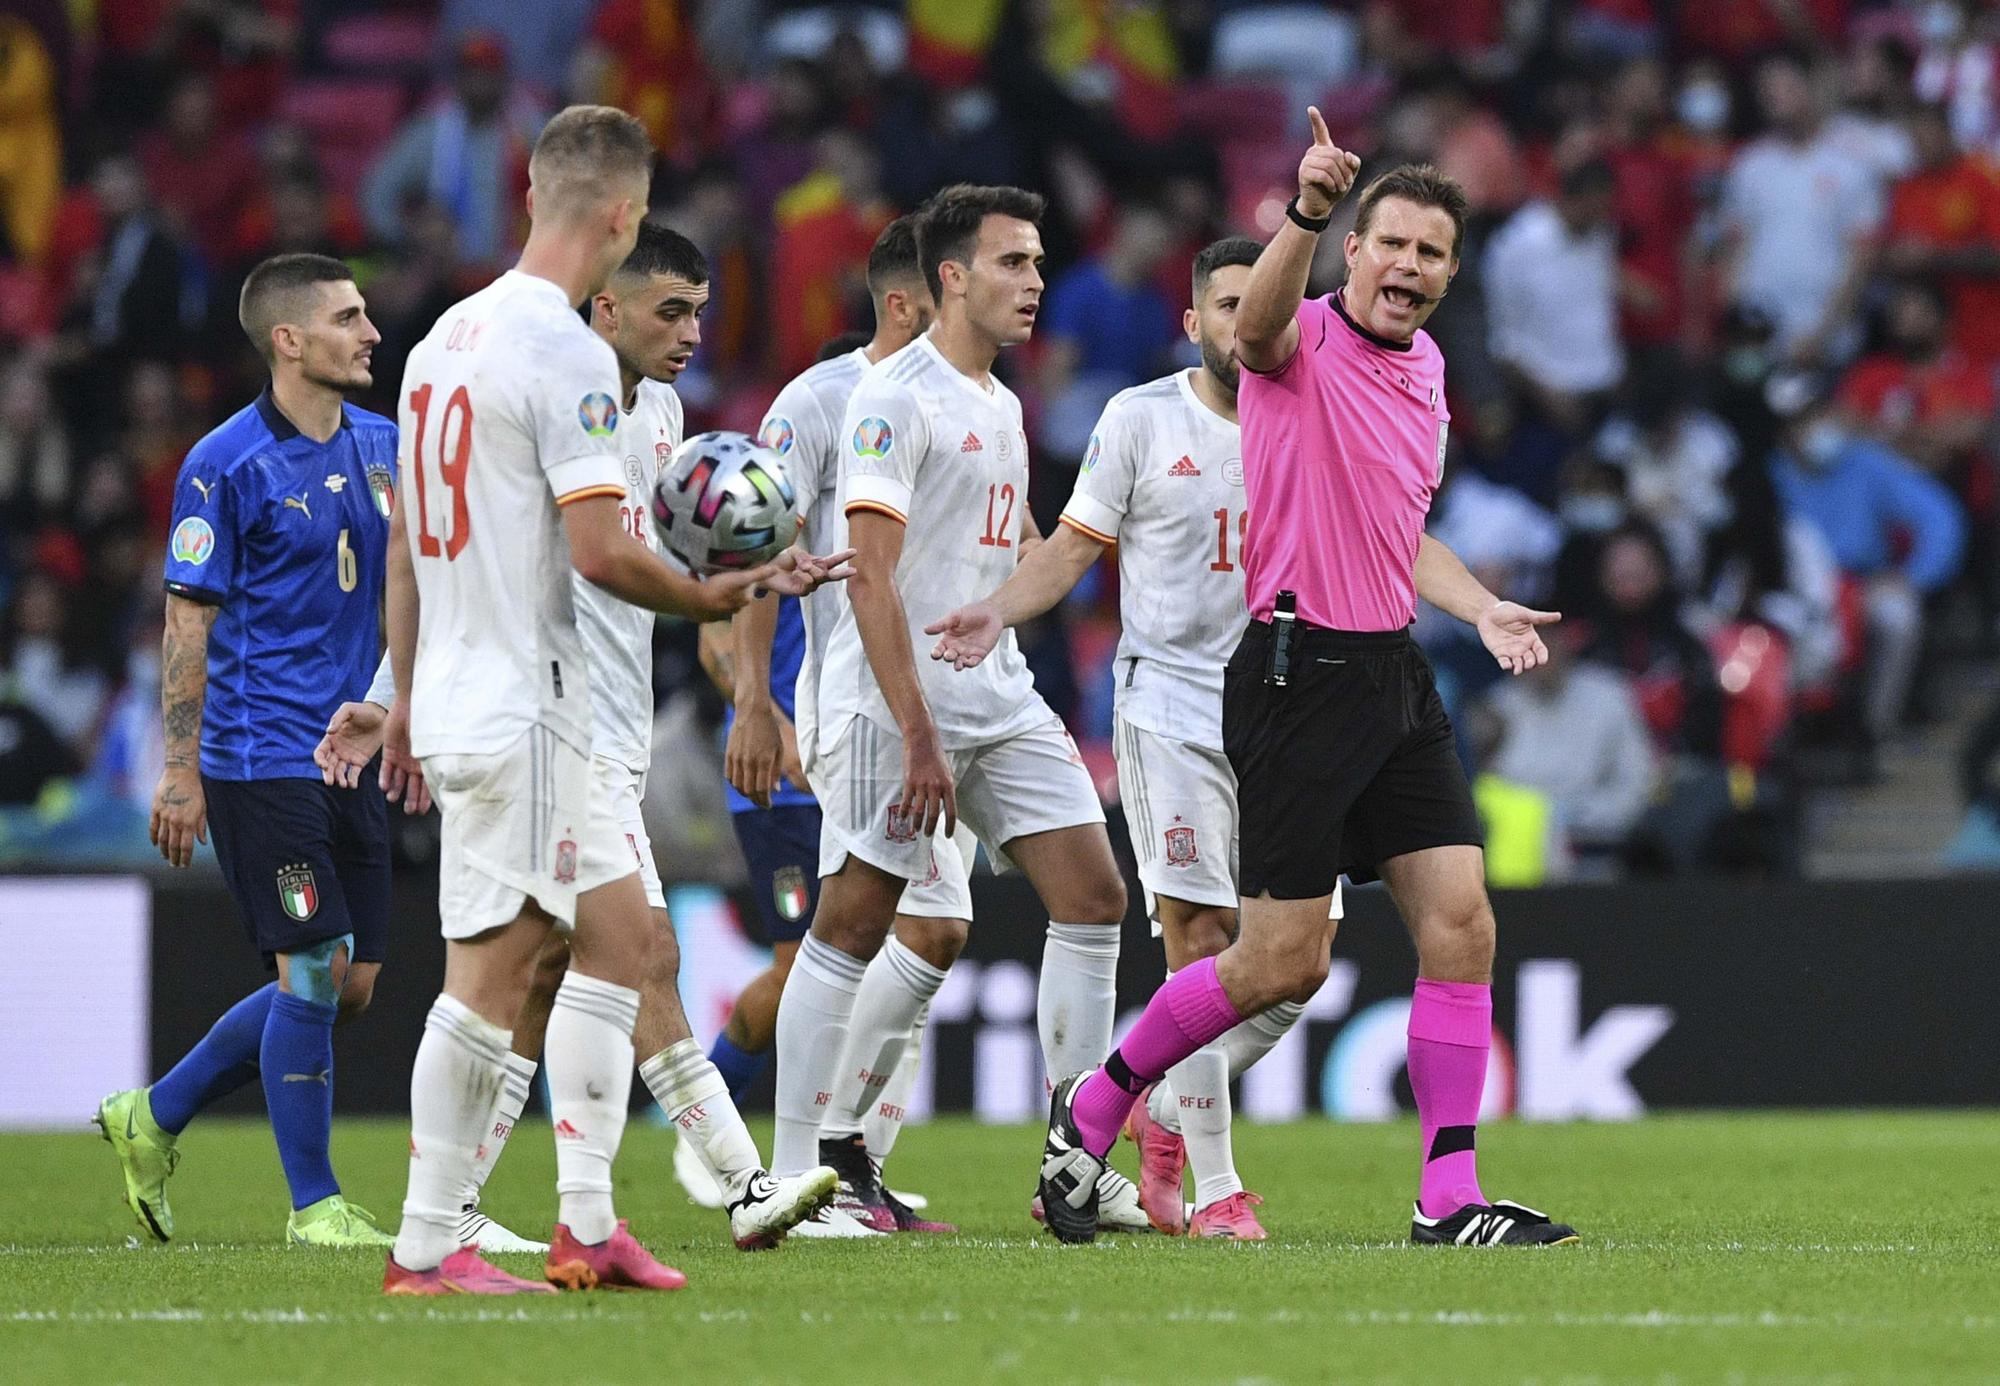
274 582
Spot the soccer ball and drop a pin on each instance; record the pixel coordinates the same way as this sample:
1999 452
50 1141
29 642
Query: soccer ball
723 503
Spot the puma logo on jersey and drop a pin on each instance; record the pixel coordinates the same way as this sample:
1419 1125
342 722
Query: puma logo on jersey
199 485
298 503
1184 467
972 444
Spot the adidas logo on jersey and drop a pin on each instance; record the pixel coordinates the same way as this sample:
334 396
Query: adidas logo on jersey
972 444
1184 467
567 1132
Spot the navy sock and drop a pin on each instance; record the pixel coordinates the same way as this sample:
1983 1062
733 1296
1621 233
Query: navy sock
739 1068
297 1060
224 1061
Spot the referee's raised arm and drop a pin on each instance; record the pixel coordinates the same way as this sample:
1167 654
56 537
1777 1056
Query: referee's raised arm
1267 330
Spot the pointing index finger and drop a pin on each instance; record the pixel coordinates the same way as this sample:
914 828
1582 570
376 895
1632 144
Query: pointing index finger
1321 135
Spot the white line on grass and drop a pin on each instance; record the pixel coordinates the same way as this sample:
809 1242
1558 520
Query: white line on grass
1662 1319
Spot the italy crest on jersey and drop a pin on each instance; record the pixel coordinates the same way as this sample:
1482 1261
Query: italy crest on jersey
788 892
382 489
873 438
778 434
298 893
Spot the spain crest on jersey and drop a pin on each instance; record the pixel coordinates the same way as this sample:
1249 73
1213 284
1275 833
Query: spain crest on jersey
789 894
298 893
565 862
382 489
1180 846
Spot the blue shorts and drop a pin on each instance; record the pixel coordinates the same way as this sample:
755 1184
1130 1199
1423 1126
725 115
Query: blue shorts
781 847
305 862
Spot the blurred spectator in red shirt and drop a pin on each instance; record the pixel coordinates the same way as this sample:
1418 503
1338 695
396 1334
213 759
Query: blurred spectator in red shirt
825 226
1738 30
1944 225
1933 404
1654 205
203 176
1639 631
644 56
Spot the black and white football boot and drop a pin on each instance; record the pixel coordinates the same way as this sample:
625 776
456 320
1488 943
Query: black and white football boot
1068 1187
861 1195
1490 1224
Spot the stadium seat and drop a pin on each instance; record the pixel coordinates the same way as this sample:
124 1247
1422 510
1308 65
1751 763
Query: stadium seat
377 43
1754 667
348 121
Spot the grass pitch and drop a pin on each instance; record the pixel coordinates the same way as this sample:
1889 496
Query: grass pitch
1853 1248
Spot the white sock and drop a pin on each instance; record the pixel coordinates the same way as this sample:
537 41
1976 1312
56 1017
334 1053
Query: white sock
894 991
515 1086
1073 1009
1200 1088
1254 1038
812 1031
454 1084
884 1121
589 1054
696 1101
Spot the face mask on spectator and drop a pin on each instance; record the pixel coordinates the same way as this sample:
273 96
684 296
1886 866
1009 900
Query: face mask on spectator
1704 106
1821 443
1592 513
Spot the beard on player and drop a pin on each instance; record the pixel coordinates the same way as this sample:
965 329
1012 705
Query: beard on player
1218 358
338 347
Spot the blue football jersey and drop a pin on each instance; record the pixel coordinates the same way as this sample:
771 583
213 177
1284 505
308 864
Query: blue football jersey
788 652
289 539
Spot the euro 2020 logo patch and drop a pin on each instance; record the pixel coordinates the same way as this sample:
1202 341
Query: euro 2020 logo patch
194 541
873 438
778 434
598 413
1091 454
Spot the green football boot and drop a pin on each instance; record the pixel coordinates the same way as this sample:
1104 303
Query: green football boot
333 1221
145 1153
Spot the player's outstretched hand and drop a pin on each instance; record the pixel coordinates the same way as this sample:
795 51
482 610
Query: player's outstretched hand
1508 631
795 572
353 736
751 757
968 635
180 814
1326 172
929 795
402 773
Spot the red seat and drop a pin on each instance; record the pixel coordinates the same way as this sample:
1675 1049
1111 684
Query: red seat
366 43
1755 668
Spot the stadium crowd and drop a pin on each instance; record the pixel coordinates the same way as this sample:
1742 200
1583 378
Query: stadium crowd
1721 353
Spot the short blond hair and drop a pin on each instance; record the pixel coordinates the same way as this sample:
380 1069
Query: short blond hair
585 153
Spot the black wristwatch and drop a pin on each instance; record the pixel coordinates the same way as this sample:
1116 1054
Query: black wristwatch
1304 222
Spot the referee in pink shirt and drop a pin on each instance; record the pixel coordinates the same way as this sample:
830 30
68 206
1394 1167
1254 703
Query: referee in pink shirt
1331 718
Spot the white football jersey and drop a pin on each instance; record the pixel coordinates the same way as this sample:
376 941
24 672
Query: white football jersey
803 427
947 456
617 636
1163 480
509 408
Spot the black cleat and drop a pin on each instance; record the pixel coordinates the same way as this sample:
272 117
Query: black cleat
1490 1224
1068 1188
861 1193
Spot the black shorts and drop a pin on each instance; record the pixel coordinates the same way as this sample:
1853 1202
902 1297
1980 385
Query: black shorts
305 861
1347 766
781 847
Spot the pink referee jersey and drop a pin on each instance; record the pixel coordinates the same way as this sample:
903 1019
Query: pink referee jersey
1343 446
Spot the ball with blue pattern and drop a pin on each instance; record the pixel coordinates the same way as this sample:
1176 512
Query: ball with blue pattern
723 503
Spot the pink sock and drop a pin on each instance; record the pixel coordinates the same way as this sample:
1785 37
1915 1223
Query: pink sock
1451 1028
1188 1011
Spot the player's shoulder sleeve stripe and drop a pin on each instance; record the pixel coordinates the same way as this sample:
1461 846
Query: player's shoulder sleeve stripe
1109 541
204 596
586 492
910 364
880 508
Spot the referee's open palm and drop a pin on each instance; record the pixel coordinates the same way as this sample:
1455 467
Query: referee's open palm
1509 632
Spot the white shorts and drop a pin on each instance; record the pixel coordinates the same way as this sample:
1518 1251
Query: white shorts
530 822
627 790
1031 783
1180 811
1180 808
946 893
